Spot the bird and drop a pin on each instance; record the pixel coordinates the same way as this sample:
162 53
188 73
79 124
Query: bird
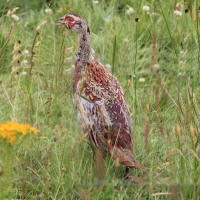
99 100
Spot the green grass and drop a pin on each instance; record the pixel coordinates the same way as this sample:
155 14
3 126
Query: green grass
56 164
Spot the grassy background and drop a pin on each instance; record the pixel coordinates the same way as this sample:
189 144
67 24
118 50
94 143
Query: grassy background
165 107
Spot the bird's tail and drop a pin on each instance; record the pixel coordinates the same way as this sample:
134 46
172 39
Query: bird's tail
134 164
126 158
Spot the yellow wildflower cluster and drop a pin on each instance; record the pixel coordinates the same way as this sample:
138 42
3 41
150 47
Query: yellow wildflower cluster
11 130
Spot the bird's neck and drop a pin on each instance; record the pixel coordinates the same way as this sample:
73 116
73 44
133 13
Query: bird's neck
84 49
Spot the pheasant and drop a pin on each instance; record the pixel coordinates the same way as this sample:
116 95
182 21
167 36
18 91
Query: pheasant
99 100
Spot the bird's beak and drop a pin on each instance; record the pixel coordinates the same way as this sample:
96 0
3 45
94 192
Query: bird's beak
60 20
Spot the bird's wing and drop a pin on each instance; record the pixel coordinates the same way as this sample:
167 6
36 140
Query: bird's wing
99 91
101 88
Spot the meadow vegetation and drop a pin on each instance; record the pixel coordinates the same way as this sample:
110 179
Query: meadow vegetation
155 55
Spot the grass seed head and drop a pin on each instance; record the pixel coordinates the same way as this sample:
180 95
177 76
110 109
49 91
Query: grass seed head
192 132
178 129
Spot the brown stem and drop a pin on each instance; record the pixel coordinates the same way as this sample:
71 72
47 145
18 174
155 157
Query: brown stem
32 53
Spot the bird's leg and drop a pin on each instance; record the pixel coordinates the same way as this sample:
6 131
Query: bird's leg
127 178
99 165
127 172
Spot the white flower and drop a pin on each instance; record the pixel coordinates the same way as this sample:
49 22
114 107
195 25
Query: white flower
156 66
15 17
48 11
146 8
107 66
177 13
126 40
26 52
182 53
95 2
141 80
179 6
25 62
107 19
130 11
23 73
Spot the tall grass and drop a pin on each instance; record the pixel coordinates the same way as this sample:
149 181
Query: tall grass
157 63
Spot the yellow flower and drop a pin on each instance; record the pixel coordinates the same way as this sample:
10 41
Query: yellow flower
11 130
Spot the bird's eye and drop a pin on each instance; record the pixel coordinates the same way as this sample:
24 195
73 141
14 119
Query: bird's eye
71 19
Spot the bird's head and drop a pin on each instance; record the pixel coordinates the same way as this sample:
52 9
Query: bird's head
74 22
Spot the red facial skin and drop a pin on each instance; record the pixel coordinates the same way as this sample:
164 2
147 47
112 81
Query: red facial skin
69 21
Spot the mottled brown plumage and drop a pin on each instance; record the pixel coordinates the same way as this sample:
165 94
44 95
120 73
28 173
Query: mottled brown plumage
99 100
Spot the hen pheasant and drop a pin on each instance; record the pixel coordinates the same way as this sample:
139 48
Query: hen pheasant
99 100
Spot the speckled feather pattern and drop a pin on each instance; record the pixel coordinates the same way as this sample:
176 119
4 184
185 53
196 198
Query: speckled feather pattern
103 112
99 100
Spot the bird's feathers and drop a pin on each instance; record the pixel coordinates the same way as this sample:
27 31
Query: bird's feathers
99 99
103 111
